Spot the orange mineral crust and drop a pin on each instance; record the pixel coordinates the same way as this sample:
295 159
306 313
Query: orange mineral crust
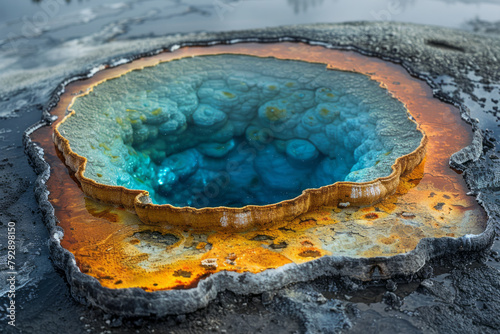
116 247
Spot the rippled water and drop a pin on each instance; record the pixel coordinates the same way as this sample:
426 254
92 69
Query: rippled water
31 26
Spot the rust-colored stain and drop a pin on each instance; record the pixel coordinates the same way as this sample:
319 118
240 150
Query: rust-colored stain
371 215
114 246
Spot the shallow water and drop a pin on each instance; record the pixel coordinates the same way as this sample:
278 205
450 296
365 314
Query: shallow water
161 17
29 29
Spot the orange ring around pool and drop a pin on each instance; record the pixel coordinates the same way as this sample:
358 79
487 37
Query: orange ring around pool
429 202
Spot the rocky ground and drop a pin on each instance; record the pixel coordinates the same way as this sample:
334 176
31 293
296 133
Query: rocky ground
460 294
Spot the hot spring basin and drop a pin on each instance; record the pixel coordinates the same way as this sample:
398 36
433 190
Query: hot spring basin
108 249
236 141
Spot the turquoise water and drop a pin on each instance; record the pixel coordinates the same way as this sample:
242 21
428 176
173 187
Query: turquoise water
232 130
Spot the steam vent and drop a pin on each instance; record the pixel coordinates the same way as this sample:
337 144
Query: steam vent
248 167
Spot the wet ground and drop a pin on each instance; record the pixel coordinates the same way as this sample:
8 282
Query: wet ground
459 294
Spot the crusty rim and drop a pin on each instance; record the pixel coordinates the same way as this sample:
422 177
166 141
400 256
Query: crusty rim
237 217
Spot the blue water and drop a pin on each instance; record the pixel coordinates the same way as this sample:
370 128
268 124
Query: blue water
233 130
